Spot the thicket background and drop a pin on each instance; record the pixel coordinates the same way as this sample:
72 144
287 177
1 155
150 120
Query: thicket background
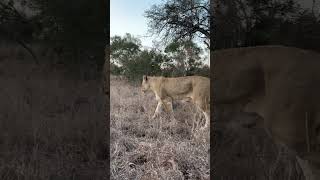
178 58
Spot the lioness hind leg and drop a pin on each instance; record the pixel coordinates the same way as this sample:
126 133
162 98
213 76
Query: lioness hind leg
204 109
207 117
195 122
207 122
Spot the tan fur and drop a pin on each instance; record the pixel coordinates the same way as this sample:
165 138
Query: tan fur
191 88
281 84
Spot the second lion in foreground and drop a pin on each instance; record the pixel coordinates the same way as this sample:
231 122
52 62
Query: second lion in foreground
191 88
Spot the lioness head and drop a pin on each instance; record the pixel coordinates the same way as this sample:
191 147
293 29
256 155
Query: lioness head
145 84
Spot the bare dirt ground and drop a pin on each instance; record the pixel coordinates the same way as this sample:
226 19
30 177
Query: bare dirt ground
146 149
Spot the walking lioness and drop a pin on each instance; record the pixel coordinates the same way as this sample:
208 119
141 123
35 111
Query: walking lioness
192 88
282 85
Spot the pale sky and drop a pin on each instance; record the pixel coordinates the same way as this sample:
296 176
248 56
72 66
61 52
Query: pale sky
127 16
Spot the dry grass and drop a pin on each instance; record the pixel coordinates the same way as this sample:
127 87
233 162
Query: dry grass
142 148
247 153
52 124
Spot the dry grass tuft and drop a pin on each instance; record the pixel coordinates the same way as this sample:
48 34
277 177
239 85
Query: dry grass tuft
142 148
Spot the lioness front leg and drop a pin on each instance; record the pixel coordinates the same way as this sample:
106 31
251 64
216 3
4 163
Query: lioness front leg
169 108
157 110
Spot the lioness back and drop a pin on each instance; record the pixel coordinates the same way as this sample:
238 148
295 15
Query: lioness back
193 85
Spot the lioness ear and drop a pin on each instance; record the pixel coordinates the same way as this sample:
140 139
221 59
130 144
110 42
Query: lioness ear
145 77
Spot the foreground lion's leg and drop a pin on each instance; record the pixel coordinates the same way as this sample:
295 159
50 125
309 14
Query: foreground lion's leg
306 168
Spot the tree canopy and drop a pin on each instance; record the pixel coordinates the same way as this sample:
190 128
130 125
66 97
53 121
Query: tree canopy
241 23
180 20
236 23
